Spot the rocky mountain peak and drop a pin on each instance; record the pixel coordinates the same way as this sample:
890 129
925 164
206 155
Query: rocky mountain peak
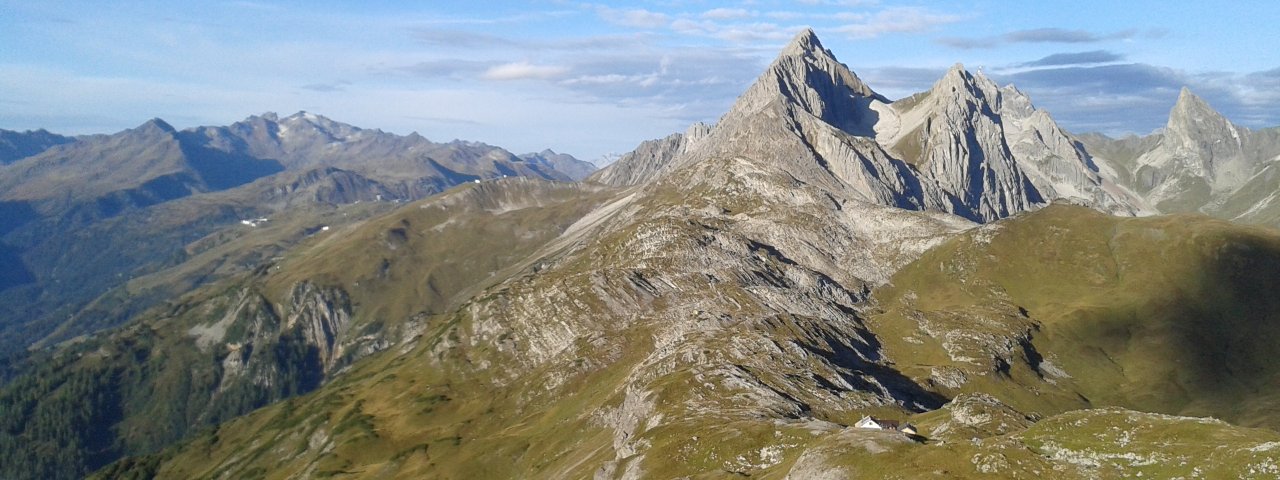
1204 143
808 78
968 87
1192 115
305 116
804 43
156 125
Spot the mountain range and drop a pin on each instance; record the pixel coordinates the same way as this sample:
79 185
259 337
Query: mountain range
729 301
84 218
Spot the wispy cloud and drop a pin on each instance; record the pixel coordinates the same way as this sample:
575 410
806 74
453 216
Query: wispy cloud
1036 35
331 87
1059 35
444 120
1136 97
727 14
633 17
460 38
456 68
901 81
522 71
738 33
1077 58
895 20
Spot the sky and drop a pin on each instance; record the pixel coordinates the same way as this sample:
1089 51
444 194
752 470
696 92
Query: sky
594 79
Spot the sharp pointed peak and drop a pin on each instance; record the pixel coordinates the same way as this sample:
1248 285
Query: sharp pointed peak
810 78
955 76
1189 100
1191 108
806 41
958 71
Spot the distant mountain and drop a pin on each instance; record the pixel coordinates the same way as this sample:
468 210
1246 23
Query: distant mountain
80 219
306 140
19 145
561 162
1200 162
100 177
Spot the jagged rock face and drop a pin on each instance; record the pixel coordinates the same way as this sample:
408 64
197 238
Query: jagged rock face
993 152
651 159
1200 156
961 145
267 354
641 164
950 149
320 316
1205 142
809 78
1057 164
1200 162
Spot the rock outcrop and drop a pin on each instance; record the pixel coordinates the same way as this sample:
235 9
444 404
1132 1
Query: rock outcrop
1200 162
966 146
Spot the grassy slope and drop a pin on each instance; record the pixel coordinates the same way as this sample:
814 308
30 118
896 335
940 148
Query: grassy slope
1114 303
145 386
1169 314
1094 443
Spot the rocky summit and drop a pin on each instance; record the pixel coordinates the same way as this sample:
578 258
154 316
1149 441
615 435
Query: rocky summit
822 284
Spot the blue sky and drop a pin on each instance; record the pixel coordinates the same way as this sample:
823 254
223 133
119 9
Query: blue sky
596 78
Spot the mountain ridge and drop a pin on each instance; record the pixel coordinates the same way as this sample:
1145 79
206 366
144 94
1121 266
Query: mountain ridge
729 301
953 148
210 177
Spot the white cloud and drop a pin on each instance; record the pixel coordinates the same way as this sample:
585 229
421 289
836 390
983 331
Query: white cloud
894 20
634 17
726 14
522 71
782 15
692 27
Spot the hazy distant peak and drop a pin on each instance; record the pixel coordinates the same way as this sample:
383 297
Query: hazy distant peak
156 123
308 116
